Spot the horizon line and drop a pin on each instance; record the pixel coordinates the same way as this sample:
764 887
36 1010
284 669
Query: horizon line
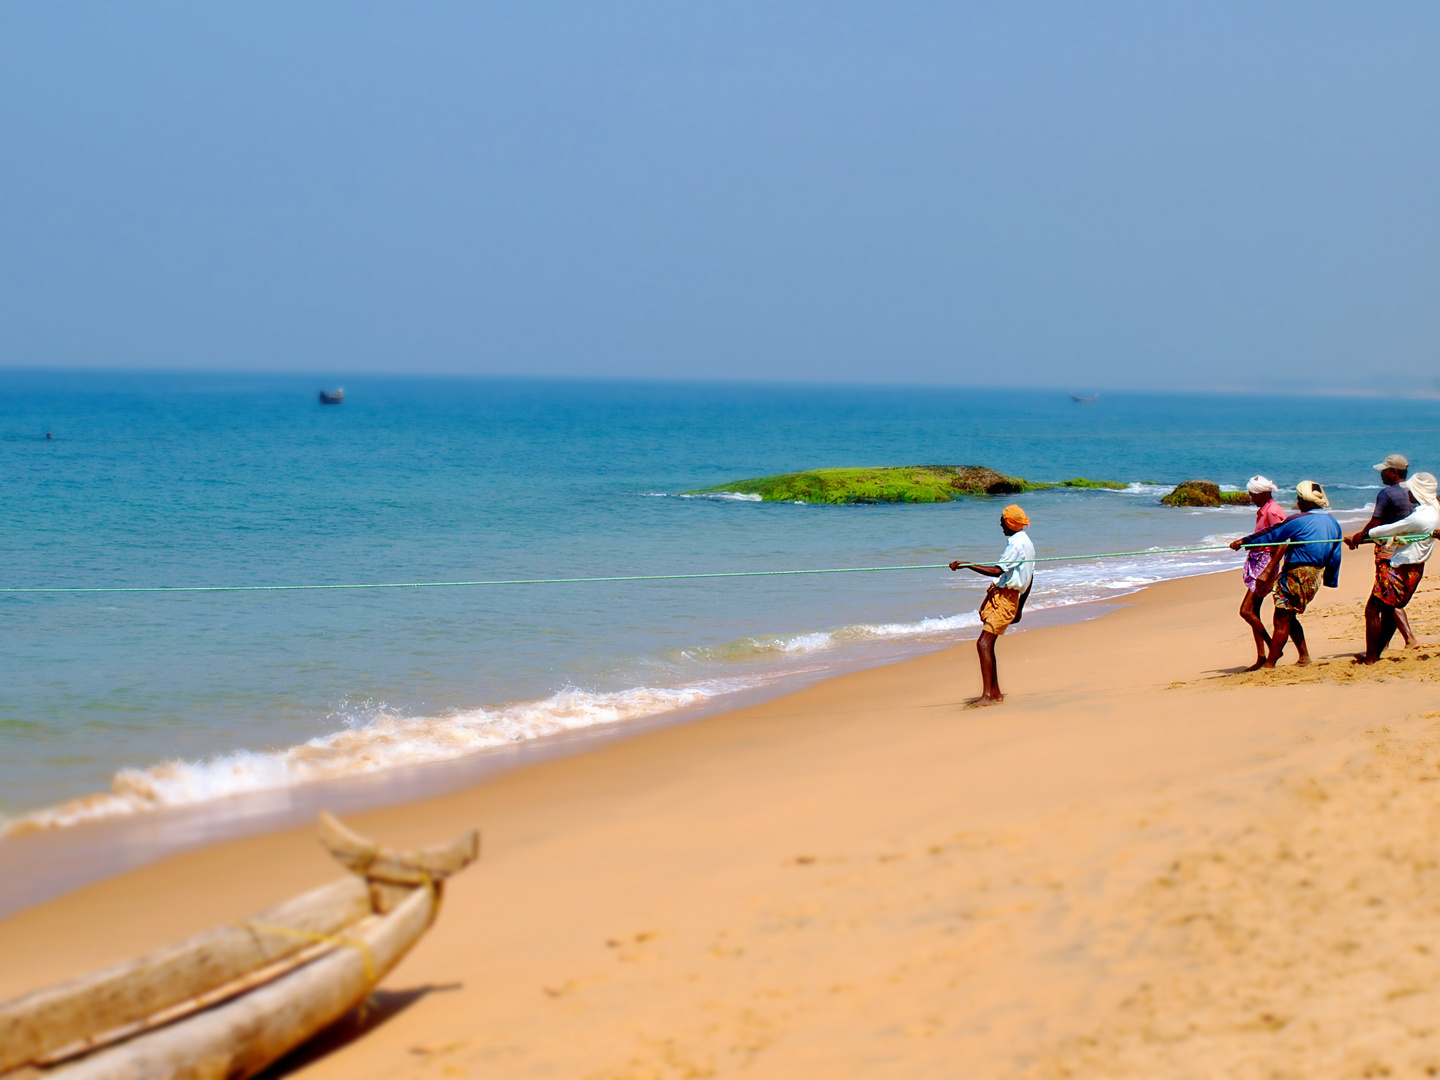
1059 388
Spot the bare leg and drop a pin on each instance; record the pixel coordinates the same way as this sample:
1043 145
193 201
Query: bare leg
1402 623
1372 630
1250 612
1380 626
1279 637
1297 632
985 646
1389 621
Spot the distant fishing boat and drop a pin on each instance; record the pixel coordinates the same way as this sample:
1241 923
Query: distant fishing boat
232 1000
337 398
1084 400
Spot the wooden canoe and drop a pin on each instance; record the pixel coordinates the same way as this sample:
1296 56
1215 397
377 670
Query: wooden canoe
227 1003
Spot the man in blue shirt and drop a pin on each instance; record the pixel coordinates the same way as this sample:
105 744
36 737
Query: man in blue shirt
1314 538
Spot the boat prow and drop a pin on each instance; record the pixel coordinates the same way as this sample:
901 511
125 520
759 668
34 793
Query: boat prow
229 1002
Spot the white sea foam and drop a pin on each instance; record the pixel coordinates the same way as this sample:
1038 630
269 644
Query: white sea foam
375 740
1134 488
815 641
725 496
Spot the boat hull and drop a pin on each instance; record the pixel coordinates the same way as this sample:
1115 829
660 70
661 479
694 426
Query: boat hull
231 1001
242 1037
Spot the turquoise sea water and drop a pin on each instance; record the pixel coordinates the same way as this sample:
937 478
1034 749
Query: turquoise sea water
153 479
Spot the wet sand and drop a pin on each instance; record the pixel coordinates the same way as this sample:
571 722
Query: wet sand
1142 864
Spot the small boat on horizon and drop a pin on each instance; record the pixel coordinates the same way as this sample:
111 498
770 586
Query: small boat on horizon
232 1000
1078 400
337 398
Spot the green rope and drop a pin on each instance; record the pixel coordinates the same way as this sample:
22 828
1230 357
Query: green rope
638 577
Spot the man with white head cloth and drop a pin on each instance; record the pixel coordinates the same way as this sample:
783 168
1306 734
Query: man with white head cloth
1392 503
1262 565
1410 542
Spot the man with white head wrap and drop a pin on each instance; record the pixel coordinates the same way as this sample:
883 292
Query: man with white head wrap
1392 503
1262 565
1397 578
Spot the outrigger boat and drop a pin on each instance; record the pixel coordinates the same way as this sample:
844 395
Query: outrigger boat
1079 400
337 398
229 1002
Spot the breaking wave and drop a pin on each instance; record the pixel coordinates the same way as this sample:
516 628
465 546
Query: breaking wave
751 648
379 740
722 496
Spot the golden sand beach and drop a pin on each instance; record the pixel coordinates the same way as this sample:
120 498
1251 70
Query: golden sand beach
1142 865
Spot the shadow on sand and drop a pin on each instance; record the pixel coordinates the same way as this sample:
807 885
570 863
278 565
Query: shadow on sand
381 1006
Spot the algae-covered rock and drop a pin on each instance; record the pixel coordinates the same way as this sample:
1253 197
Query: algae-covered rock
1204 493
891 484
887 484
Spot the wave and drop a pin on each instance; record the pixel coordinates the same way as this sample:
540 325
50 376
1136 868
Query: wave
722 496
1135 488
752 648
373 739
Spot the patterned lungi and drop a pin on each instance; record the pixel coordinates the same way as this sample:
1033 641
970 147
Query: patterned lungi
1256 563
1297 587
1394 585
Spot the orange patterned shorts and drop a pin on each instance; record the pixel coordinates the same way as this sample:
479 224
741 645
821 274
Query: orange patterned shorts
999 609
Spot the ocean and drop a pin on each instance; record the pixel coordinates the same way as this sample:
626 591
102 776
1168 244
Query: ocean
120 703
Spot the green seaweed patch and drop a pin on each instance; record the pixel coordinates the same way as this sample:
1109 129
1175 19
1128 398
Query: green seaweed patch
1081 482
1204 493
886 484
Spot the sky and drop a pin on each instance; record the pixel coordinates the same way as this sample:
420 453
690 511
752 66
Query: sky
1093 195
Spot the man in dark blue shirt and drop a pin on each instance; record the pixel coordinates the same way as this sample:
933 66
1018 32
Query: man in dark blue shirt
1313 538
1393 504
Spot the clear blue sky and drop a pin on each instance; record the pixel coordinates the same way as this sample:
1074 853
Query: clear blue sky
1083 194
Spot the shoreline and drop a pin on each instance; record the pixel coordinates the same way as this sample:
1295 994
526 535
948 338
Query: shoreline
865 878
168 785
40 864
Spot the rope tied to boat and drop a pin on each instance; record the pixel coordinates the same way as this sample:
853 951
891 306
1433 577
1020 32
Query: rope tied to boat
366 858
15 589
320 939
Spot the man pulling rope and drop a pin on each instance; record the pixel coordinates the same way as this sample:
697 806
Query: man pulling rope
1004 602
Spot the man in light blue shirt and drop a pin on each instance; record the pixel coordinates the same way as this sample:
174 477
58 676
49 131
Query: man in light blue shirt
1005 600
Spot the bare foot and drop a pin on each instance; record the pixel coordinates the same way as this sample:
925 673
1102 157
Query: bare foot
1413 643
1269 665
1257 665
982 701
1304 661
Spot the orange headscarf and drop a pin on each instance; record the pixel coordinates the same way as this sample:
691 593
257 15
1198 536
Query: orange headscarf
1015 517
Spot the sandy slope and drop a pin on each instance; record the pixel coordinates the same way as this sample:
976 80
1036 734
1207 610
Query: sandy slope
1139 866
